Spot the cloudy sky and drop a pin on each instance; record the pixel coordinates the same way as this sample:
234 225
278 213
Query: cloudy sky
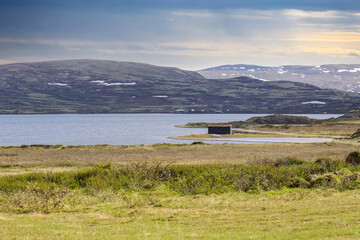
188 34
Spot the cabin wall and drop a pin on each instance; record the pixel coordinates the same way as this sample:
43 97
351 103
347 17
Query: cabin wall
219 130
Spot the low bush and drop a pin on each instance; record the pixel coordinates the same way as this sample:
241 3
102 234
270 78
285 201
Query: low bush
51 191
329 164
353 158
328 180
36 199
185 179
298 182
289 161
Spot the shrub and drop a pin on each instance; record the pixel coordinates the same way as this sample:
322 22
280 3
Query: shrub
40 146
36 199
298 182
289 161
328 164
344 172
198 143
324 160
46 192
353 158
326 180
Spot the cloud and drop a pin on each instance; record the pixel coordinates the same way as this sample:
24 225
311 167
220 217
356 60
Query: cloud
76 45
327 51
73 49
180 36
338 37
49 42
194 14
296 13
2 62
353 54
138 5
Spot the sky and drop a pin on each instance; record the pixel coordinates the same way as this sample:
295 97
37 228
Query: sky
187 34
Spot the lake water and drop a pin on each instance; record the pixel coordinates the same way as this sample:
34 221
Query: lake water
114 129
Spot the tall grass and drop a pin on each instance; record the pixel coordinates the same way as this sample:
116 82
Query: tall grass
52 191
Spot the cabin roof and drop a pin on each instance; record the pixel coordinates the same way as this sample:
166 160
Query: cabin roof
220 125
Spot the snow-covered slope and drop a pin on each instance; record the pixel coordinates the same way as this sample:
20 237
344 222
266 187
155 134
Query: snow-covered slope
335 76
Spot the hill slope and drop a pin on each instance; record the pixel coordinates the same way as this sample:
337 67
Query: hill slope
335 76
94 86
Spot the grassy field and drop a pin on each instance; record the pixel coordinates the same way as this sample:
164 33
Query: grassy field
16 160
163 191
345 129
294 214
335 130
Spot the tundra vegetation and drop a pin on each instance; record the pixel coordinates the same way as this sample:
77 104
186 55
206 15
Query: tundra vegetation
165 191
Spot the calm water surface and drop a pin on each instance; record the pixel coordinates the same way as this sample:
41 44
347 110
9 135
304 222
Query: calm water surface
114 129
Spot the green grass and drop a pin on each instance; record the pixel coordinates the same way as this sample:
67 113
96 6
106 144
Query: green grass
47 192
348 122
184 202
285 214
278 197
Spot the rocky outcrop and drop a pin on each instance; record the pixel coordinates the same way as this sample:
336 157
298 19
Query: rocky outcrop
352 115
281 119
356 134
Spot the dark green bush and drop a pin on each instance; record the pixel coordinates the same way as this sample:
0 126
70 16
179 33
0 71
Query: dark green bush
328 180
198 143
298 182
289 161
353 158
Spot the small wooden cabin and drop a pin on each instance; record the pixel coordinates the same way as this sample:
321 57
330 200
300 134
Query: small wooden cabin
220 129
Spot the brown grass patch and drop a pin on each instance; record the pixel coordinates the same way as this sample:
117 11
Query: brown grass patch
80 157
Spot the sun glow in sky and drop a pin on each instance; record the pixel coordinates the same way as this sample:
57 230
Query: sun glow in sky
186 34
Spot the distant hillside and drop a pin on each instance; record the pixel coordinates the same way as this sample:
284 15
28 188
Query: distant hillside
282 119
96 86
350 116
334 76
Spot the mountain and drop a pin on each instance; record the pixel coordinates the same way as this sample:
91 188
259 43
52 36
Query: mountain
334 76
97 86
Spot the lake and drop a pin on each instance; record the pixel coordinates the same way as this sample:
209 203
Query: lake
114 129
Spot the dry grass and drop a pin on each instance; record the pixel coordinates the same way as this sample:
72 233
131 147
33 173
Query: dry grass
31 169
337 129
14 160
237 134
326 130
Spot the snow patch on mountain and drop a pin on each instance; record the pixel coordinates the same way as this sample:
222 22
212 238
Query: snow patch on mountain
100 82
314 102
58 84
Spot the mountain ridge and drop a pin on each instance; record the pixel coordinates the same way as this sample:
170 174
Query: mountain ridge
344 77
101 86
